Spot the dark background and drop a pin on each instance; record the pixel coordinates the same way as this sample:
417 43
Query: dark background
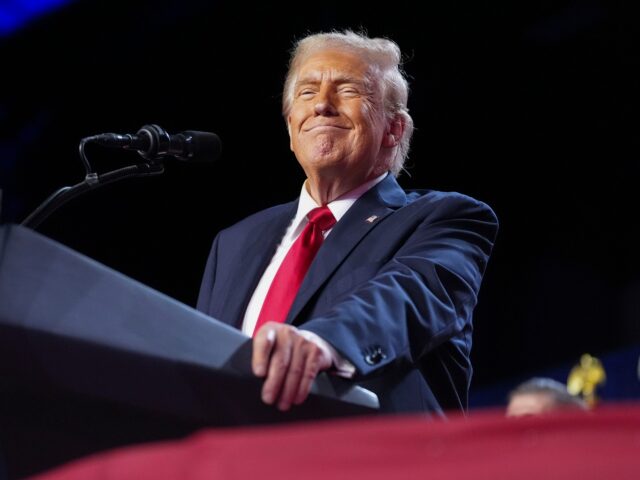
529 106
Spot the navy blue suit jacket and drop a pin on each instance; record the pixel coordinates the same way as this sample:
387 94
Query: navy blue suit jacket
392 288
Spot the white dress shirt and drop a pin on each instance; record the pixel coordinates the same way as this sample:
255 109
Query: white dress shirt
338 207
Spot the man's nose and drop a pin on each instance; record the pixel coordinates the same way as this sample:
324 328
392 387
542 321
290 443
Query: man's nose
325 104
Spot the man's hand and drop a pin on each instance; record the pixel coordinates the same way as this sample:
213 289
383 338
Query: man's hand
289 361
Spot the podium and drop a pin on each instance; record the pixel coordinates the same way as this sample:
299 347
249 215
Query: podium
91 359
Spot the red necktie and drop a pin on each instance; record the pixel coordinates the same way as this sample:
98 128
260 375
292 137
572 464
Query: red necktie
289 276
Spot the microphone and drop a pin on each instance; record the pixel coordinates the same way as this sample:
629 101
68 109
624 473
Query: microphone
153 143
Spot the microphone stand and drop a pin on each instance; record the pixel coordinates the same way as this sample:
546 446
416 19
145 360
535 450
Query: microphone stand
91 182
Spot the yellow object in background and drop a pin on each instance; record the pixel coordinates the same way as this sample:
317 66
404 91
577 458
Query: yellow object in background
585 378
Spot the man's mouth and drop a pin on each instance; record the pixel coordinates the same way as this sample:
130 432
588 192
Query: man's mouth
323 127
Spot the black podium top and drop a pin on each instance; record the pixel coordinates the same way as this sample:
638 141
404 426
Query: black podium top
91 359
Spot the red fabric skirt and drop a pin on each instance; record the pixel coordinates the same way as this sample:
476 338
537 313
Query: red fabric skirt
603 444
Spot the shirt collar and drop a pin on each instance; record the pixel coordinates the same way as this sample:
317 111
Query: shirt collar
338 207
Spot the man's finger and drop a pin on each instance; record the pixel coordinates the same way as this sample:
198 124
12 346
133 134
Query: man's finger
278 367
309 374
294 374
263 345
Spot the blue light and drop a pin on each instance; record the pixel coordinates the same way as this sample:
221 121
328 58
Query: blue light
14 14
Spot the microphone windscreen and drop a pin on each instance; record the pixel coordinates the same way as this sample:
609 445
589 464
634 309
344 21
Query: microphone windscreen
206 146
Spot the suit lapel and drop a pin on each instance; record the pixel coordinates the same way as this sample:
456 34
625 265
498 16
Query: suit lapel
364 215
260 246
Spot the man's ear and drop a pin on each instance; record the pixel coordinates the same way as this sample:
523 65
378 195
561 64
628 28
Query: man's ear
394 132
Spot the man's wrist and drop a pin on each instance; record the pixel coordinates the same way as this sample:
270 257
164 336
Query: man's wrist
340 366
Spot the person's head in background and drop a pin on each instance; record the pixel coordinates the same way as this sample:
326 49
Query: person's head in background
541 395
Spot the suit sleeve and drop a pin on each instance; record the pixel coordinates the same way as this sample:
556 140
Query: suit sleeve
208 279
422 297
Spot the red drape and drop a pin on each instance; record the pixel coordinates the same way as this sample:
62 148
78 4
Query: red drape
603 444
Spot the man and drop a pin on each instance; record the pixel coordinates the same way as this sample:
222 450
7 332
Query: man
541 395
388 298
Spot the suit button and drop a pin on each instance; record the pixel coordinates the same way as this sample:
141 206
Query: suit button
375 356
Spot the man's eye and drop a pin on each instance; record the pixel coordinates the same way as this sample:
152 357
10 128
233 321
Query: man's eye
349 91
306 93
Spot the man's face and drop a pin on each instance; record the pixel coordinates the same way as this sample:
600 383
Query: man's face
336 123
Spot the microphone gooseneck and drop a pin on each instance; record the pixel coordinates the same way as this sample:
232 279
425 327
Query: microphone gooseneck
152 142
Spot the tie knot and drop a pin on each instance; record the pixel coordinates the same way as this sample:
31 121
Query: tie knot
322 218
